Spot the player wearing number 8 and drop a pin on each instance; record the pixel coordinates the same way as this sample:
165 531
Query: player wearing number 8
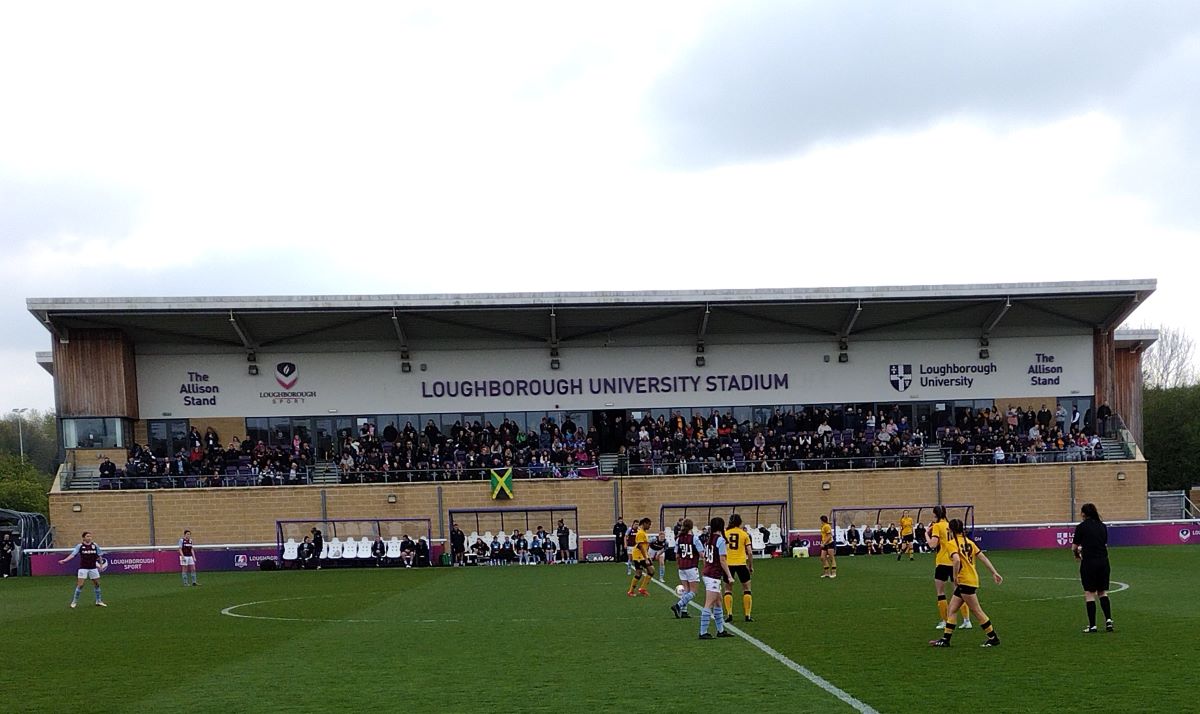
741 566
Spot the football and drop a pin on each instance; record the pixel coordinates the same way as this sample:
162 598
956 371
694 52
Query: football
679 590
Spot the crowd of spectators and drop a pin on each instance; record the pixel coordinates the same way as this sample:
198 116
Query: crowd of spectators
205 462
1016 435
465 451
789 441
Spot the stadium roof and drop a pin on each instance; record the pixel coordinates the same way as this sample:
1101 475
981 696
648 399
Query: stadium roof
547 318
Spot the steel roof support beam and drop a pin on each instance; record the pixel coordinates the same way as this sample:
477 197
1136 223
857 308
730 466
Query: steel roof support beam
702 330
242 333
995 318
553 330
401 335
851 318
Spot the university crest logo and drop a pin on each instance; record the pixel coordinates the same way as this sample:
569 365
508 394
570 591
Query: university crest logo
285 374
1064 538
900 375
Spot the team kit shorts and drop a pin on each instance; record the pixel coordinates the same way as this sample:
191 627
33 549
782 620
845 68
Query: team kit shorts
689 575
712 585
965 590
945 573
829 546
643 565
89 574
1094 575
907 538
740 572
186 560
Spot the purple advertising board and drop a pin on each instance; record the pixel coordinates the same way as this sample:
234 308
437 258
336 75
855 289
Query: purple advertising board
124 562
1061 536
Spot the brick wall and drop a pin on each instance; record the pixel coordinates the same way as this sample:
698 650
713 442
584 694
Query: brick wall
1010 494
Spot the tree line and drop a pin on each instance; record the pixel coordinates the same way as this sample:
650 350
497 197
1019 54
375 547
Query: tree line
24 484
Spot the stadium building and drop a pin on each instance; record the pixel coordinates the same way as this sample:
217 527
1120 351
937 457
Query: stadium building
316 369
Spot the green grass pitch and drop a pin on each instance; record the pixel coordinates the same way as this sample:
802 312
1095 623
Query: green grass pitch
567 639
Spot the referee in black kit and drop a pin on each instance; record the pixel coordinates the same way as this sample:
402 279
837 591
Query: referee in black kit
1091 550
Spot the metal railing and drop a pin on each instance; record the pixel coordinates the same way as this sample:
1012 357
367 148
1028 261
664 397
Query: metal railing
90 479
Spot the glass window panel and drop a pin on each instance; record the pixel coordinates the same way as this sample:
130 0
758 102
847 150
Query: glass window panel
280 431
257 430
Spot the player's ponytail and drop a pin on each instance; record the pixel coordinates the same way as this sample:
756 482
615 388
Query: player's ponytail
716 526
1089 511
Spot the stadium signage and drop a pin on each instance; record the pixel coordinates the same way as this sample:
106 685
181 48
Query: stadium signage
197 383
1043 365
287 374
656 384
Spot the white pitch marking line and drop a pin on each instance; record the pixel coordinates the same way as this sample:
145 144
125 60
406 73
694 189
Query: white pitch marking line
230 612
783 659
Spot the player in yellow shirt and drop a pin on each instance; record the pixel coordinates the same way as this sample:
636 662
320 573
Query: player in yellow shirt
739 557
965 554
828 550
640 555
943 571
906 536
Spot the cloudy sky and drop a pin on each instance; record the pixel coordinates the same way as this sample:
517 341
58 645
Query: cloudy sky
295 148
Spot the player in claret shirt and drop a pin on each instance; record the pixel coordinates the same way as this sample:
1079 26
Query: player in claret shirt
90 556
687 556
187 558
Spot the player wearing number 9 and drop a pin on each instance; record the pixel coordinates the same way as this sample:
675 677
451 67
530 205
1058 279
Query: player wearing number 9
740 566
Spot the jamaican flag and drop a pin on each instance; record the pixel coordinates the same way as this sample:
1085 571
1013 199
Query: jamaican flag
502 484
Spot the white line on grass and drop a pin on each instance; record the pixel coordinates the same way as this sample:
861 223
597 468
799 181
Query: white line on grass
230 612
783 659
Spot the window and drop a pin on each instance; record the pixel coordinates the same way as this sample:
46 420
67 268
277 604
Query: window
167 436
95 433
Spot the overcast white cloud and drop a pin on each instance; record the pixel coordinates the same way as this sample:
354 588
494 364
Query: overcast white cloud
281 148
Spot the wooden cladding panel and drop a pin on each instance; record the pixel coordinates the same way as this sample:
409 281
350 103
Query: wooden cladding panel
1102 358
1127 391
95 375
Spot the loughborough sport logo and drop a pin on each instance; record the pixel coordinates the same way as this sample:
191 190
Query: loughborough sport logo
285 374
1184 534
900 375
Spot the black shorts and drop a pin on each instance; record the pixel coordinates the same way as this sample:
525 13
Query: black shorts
829 546
457 549
1094 575
741 573
907 538
965 590
945 573
643 565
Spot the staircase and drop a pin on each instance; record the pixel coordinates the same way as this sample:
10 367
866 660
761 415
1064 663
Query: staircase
325 472
1114 449
608 465
933 456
